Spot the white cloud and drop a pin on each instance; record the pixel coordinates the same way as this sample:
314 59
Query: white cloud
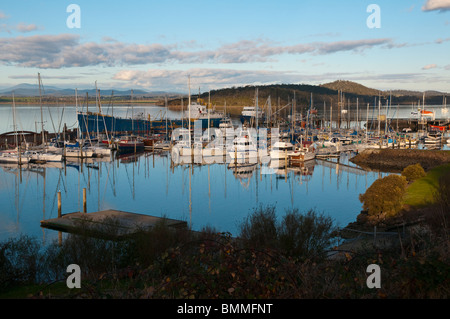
439 41
22 27
429 67
356 45
433 5
36 51
47 77
211 78
215 78
65 50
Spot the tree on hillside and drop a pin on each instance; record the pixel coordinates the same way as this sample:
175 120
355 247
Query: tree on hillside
384 197
413 172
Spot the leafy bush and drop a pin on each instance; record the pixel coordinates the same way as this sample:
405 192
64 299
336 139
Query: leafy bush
384 197
439 218
413 172
305 235
296 235
260 228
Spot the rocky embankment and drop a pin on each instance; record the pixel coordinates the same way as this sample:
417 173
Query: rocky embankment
395 160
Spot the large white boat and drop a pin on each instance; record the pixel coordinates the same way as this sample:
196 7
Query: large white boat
281 150
249 113
225 124
199 112
13 157
182 148
83 152
44 156
433 138
244 148
337 141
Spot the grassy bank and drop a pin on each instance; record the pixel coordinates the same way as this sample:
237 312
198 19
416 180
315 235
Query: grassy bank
422 192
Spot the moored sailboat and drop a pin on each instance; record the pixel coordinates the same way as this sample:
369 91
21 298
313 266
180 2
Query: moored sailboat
130 143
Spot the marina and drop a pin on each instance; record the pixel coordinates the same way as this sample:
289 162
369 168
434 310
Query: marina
215 180
224 150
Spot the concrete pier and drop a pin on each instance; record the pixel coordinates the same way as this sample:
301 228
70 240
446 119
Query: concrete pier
108 223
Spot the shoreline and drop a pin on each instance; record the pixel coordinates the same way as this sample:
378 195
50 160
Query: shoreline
393 160
410 216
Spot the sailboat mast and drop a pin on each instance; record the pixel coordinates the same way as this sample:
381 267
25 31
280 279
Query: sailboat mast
76 108
167 133
379 119
257 115
98 106
357 114
293 118
132 114
331 115
367 120
42 117
189 107
207 110
14 123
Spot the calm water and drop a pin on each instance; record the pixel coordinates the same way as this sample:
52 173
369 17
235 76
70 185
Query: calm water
209 195
212 195
28 117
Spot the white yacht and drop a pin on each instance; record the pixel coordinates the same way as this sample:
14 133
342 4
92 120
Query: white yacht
249 113
280 150
243 148
43 156
433 138
13 157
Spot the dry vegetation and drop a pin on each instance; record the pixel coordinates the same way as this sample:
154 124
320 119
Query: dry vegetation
273 258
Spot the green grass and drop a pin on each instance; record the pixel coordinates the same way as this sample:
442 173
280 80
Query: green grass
421 192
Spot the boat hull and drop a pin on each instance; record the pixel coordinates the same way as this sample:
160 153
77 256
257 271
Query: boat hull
92 124
74 152
130 147
45 157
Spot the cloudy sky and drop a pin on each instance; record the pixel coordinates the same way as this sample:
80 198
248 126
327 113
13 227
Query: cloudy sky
156 45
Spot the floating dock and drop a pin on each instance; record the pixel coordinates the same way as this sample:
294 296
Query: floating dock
109 223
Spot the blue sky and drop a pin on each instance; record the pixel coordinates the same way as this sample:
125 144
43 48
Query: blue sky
156 45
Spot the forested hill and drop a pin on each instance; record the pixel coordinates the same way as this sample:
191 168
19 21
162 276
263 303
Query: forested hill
282 94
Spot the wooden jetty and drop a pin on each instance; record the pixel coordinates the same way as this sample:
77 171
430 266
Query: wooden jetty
112 224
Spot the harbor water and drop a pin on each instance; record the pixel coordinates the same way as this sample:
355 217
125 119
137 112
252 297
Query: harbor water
215 195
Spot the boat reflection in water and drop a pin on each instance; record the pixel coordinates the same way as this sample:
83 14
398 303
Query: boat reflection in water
243 172
205 191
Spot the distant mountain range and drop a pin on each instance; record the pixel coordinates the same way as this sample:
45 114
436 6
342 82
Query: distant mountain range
32 90
304 94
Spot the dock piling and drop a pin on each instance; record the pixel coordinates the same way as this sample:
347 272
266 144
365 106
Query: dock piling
59 204
84 201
